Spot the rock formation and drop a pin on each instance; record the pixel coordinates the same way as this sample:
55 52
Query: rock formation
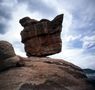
6 50
44 74
36 73
42 38
8 57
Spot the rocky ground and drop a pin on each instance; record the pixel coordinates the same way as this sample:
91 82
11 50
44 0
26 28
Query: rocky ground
36 73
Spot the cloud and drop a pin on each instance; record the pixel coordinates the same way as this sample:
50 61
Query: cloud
4 15
6 7
89 44
83 18
88 41
39 6
72 41
77 57
2 28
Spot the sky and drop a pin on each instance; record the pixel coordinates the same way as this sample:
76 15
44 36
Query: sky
78 32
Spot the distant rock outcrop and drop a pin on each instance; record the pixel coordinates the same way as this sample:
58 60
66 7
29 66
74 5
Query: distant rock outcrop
42 38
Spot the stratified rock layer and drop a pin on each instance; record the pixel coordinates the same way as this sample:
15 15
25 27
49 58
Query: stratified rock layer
42 38
44 74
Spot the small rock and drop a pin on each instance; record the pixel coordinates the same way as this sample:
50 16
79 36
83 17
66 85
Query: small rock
8 57
6 50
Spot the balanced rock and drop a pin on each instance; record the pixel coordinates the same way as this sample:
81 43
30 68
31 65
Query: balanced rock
44 74
8 57
42 38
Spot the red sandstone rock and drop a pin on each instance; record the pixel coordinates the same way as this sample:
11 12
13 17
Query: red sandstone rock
42 38
8 58
44 74
6 50
37 73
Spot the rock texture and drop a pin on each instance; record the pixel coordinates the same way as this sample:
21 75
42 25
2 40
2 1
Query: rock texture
6 50
42 38
44 74
8 57
34 73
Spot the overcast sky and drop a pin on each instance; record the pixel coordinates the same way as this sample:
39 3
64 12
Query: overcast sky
78 33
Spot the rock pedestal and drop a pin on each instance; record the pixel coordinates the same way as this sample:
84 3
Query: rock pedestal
44 74
42 38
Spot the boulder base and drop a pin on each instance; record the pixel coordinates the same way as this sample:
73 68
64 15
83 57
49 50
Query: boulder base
44 74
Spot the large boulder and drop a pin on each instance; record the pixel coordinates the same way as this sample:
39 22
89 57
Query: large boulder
42 38
44 74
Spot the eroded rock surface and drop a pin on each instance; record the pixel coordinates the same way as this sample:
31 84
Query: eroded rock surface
42 38
8 57
6 50
44 74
